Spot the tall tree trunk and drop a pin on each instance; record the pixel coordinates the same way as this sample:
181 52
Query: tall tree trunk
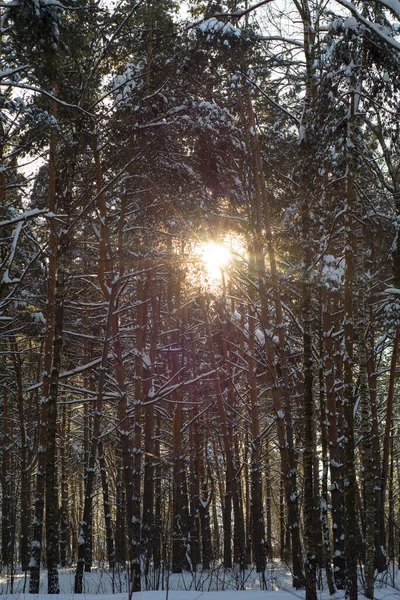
84 529
391 502
324 448
205 498
137 437
268 500
380 557
350 496
227 524
368 475
283 550
332 377
245 473
311 516
25 467
37 529
65 557
6 475
231 475
156 538
150 459
278 370
195 457
180 509
257 514
88 418
52 508
120 512
131 470
106 507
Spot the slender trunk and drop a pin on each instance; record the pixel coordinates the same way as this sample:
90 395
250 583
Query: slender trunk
180 513
332 378
120 512
194 493
368 475
137 434
52 509
84 530
6 475
148 484
25 531
24 468
130 464
205 498
350 497
391 501
257 515
311 516
227 524
216 539
64 507
149 428
131 469
195 452
380 557
268 499
156 538
231 475
106 507
389 417
282 521
37 529
324 450
88 414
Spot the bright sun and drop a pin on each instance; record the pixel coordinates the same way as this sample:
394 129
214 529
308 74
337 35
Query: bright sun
215 257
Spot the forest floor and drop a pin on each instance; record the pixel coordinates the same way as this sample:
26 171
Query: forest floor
216 584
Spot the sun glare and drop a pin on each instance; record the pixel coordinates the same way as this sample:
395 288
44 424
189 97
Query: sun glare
214 257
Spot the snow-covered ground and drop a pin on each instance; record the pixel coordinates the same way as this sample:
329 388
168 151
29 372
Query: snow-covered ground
217 584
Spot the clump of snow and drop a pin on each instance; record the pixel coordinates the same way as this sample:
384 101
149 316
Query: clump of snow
213 26
38 317
332 272
128 82
350 23
391 307
393 5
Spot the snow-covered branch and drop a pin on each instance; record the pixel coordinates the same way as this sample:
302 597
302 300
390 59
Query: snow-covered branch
39 90
35 212
371 26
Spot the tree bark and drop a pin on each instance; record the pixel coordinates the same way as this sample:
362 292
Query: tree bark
366 450
65 557
25 469
37 529
350 497
6 475
311 516
84 529
324 448
106 507
257 514
233 493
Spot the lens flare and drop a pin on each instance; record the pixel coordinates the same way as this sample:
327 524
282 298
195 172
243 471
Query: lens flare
215 257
